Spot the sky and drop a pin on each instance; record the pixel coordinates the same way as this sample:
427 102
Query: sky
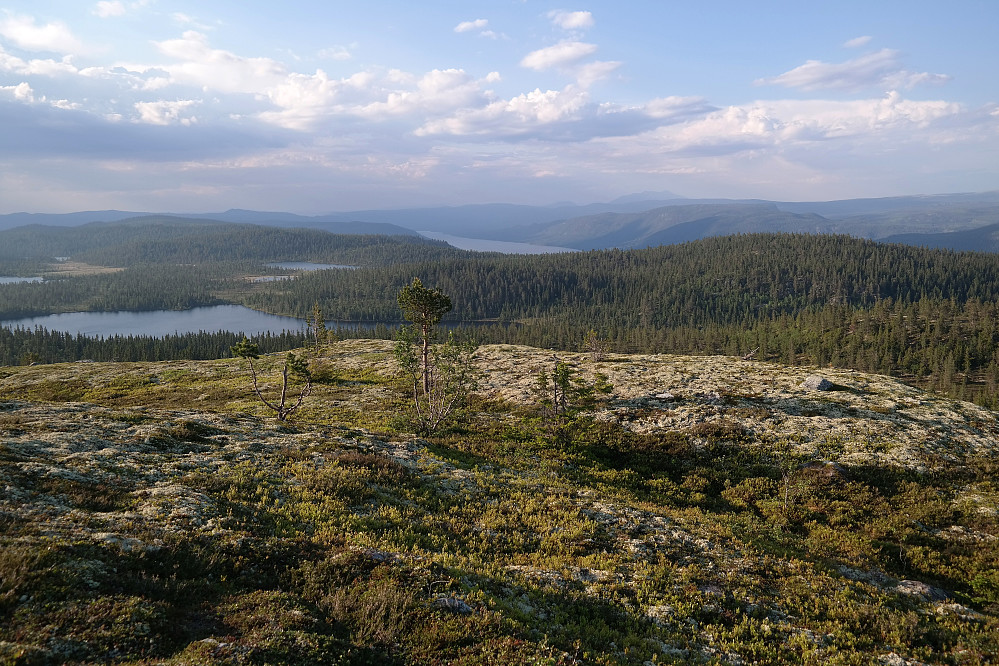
323 106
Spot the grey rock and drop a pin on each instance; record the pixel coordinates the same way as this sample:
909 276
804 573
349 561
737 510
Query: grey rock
921 590
816 383
452 604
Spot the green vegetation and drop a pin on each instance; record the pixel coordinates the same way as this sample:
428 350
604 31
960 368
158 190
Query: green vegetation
171 240
296 368
710 510
591 507
443 377
928 316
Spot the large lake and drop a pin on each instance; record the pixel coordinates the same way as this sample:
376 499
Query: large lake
483 245
159 323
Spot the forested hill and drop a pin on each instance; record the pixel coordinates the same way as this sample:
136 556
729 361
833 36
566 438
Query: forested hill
927 315
731 280
172 240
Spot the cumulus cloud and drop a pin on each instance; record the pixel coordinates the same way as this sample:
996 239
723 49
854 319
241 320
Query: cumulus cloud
42 67
519 115
304 101
880 68
21 92
857 42
166 113
775 124
198 64
478 25
571 20
562 115
24 33
560 55
469 26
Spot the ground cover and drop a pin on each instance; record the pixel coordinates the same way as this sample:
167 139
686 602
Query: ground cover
708 509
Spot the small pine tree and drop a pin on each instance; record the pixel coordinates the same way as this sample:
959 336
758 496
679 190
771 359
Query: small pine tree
316 322
295 368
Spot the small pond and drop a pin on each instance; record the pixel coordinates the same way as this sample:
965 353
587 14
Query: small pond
304 266
15 280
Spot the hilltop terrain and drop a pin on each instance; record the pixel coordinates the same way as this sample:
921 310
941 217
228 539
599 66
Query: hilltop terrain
710 509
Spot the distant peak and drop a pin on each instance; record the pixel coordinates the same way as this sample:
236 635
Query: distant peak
662 195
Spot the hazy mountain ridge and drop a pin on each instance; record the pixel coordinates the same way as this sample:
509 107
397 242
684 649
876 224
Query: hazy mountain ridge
629 221
979 239
676 224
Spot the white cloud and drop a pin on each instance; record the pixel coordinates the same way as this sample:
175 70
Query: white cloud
478 25
109 8
66 105
592 72
335 53
23 32
469 26
773 124
857 42
166 113
571 20
519 115
562 115
214 69
41 67
304 101
560 55
22 92
437 91
880 68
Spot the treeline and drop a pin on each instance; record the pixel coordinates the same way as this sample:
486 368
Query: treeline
929 316
926 315
20 346
156 287
168 240
735 280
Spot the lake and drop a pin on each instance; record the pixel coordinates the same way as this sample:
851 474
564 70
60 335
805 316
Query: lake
304 266
159 323
15 280
483 245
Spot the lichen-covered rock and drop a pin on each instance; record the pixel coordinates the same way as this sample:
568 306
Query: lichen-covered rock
816 383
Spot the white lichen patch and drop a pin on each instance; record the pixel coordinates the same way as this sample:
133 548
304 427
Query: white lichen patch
878 419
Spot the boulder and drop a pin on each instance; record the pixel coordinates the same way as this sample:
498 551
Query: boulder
816 383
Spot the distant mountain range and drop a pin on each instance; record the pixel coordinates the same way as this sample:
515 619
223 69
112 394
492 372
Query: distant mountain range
958 221
329 223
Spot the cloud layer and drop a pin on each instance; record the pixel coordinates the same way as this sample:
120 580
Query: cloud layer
202 119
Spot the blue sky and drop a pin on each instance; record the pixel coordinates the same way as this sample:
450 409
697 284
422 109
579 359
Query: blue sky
325 106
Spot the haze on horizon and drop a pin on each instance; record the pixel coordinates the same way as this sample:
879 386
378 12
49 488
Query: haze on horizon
314 107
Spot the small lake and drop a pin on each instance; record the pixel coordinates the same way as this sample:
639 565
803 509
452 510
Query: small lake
304 266
484 245
15 280
159 323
